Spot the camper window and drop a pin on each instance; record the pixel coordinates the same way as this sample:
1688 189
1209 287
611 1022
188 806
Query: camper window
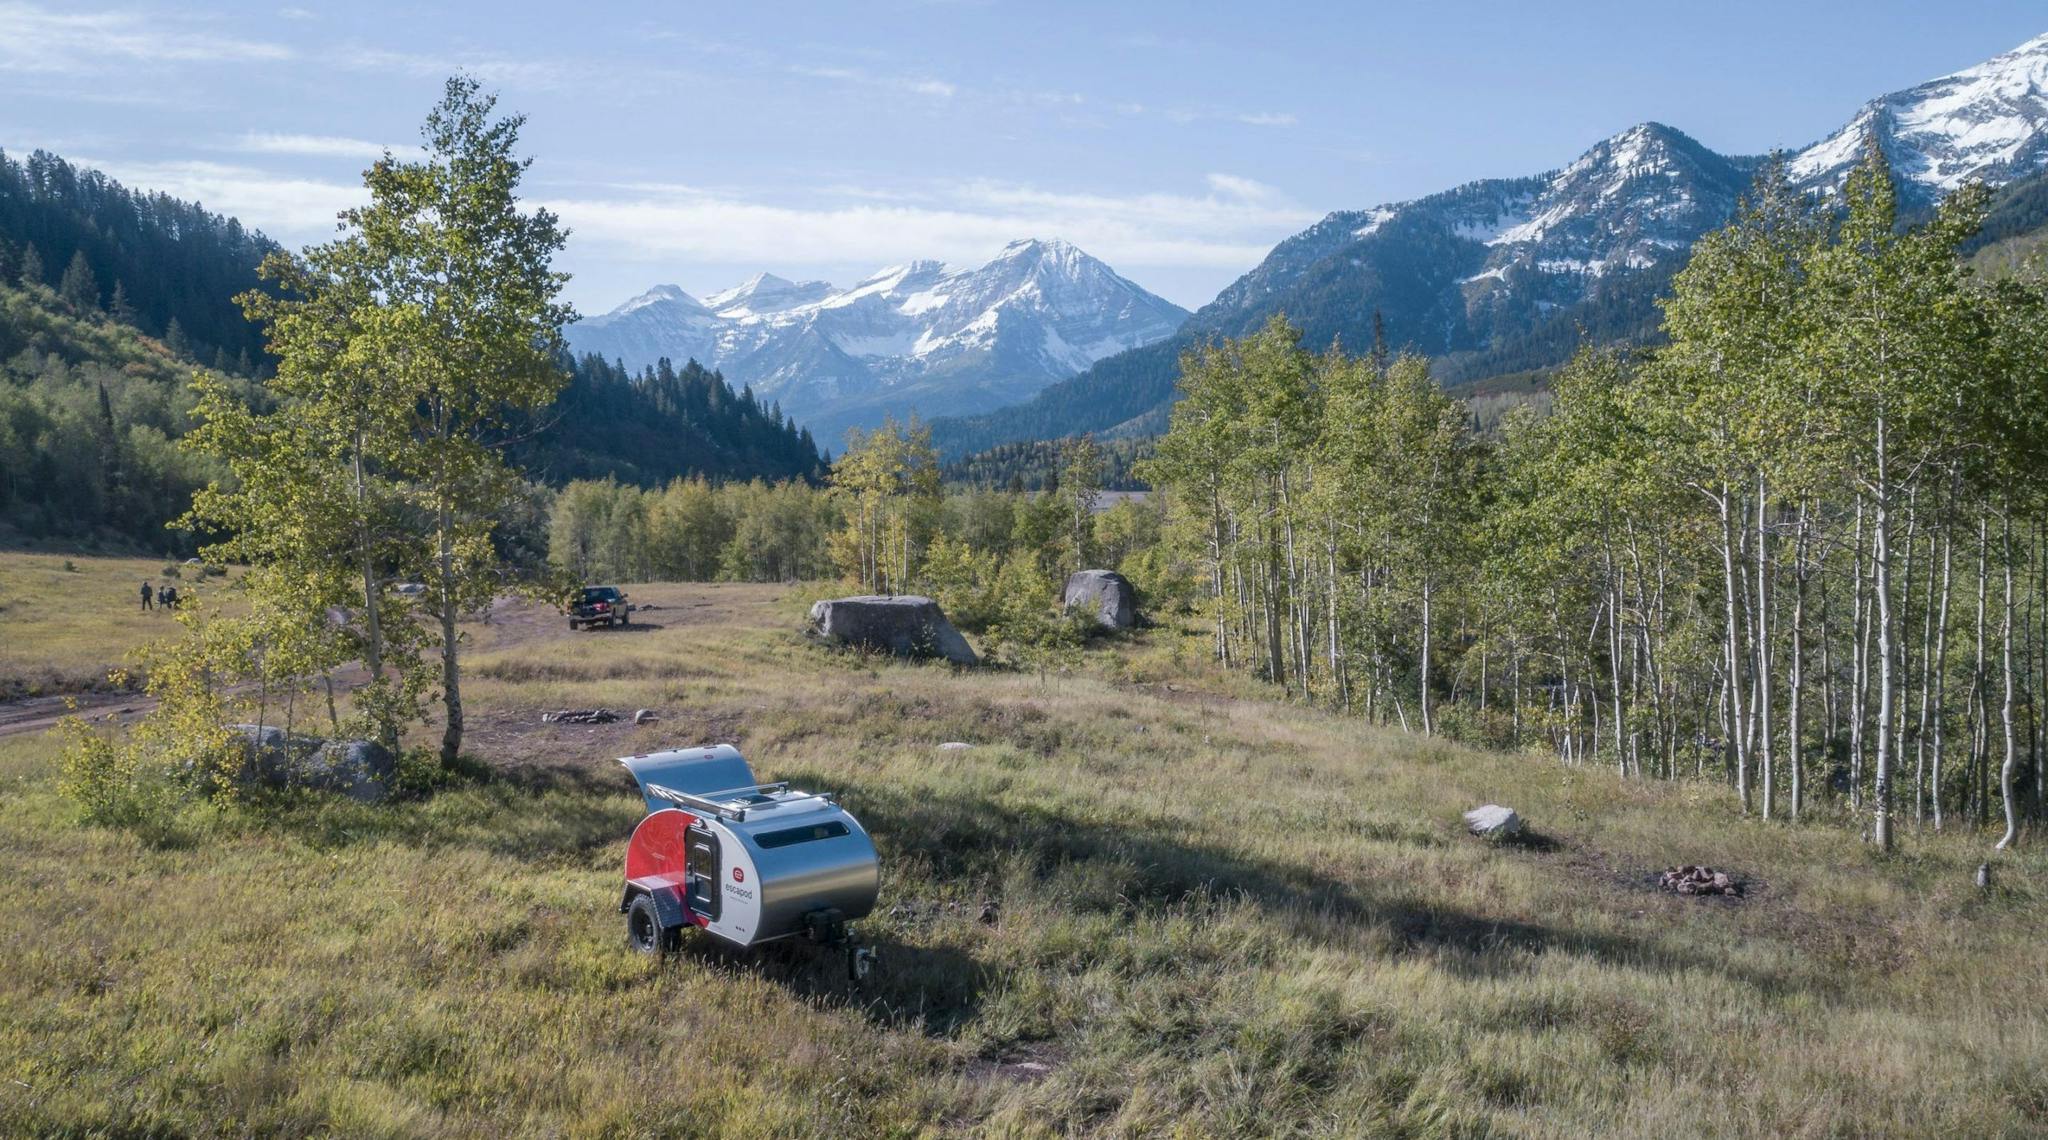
768 840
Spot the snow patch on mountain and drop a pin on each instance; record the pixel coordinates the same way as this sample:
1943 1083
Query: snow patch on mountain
920 336
1985 122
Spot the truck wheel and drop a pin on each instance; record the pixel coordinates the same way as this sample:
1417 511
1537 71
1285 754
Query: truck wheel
610 622
625 619
572 625
644 931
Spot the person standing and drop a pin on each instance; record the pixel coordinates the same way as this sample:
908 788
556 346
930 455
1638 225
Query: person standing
146 592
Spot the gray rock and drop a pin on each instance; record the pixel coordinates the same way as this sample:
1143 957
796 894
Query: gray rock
646 716
1105 593
359 769
955 746
1493 821
907 625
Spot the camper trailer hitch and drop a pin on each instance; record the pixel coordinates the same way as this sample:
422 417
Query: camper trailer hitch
828 927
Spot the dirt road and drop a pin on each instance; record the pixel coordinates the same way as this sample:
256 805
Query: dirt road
513 623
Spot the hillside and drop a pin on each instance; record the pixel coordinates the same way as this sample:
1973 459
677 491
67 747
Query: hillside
90 411
1209 914
658 424
1501 275
1034 465
97 351
167 267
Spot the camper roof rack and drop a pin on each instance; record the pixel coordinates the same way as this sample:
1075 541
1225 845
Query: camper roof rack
732 803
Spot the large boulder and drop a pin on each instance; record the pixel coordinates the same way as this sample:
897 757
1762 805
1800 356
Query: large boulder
906 624
1106 594
1493 821
359 769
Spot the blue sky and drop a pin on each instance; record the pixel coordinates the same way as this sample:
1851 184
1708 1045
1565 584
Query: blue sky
700 143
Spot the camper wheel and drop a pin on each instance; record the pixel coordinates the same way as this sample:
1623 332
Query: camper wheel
860 962
644 931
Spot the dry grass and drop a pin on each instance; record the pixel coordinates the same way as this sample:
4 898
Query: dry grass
1219 915
62 630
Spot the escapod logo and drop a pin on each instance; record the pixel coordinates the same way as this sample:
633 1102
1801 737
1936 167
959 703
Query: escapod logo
738 876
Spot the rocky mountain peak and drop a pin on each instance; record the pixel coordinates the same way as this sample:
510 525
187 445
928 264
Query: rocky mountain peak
1988 122
920 336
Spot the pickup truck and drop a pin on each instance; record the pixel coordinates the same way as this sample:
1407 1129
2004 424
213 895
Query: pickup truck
599 605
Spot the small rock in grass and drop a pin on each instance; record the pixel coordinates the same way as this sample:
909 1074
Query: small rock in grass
955 746
646 716
1493 821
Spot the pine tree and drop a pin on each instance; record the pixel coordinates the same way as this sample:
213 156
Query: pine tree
119 307
79 288
31 267
176 341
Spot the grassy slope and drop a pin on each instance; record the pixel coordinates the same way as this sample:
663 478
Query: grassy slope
1218 914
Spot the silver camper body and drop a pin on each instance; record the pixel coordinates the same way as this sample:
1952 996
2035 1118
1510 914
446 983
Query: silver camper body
746 861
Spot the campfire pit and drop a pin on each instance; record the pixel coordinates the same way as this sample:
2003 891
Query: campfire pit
1695 880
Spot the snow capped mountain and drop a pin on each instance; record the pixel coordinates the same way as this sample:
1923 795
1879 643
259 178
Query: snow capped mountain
1623 205
1509 275
1986 122
765 293
1454 271
923 337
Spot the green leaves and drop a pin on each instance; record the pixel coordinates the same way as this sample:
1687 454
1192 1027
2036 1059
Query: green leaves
403 346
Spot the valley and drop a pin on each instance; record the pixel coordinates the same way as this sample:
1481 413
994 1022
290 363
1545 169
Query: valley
1564 655
1291 935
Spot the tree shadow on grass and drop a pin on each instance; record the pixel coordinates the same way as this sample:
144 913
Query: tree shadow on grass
966 845
937 989
973 840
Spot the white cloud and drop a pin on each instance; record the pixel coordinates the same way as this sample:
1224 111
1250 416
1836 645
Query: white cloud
496 70
297 14
1269 119
1224 227
1232 226
318 146
931 88
284 207
36 39
1248 189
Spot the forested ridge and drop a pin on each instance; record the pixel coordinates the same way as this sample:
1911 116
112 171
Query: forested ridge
169 268
1034 465
659 424
111 300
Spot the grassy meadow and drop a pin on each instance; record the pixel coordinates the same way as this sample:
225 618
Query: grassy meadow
65 621
1215 915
